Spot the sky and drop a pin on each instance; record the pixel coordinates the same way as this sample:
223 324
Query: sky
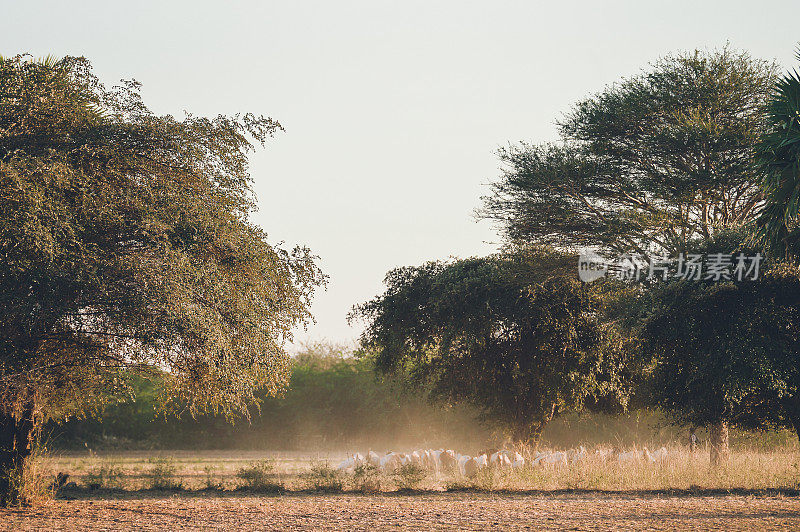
393 111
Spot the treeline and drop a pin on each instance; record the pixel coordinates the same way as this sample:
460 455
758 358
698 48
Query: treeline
337 401
334 401
673 195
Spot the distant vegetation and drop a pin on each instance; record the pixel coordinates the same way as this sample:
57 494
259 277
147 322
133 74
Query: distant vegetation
337 402
334 401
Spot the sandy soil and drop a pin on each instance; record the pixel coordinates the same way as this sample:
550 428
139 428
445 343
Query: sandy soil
450 511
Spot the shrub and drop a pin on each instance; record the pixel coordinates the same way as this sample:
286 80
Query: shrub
487 478
409 476
258 476
32 484
211 480
107 475
161 474
367 479
323 478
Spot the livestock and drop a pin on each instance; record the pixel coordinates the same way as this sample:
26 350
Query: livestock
373 459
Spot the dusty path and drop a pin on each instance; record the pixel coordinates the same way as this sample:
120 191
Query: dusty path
451 511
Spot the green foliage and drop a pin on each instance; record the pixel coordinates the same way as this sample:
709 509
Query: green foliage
514 335
258 476
333 401
108 475
162 474
779 160
727 351
322 478
409 476
649 163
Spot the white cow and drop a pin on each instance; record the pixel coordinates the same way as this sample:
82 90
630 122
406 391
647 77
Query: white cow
658 455
461 461
557 457
374 459
390 462
630 456
346 465
502 458
427 459
578 454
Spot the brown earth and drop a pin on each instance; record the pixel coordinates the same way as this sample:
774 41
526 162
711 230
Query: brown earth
444 511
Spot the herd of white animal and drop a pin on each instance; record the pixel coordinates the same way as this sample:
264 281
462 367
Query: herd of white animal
449 460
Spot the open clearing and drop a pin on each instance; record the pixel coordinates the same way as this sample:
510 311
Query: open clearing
195 470
456 511
754 491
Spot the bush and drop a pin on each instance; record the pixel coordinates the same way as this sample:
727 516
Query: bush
409 476
367 479
324 479
32 484
258 476
161 474
487 478
107 475
211 480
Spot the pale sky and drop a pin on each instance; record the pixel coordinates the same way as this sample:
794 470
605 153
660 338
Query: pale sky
393 110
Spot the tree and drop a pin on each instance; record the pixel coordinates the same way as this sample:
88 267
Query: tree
728 352
778 158
647 165
126 245
511 334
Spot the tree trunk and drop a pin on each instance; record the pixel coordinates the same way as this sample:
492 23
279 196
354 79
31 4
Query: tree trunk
529 434
718 439
529 437
16 445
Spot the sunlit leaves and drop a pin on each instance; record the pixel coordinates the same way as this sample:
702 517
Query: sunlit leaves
125 243
649 163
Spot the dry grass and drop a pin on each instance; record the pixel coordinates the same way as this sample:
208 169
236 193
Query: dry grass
754 490
682 470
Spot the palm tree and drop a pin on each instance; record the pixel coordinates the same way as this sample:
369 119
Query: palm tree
779 158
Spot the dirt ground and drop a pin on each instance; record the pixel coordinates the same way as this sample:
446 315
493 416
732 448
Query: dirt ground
445 511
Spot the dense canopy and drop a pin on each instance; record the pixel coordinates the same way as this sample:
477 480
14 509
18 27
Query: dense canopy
125 243
516 335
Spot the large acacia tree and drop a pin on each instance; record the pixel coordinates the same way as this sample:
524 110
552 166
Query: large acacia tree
515 335
126 244
646 165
